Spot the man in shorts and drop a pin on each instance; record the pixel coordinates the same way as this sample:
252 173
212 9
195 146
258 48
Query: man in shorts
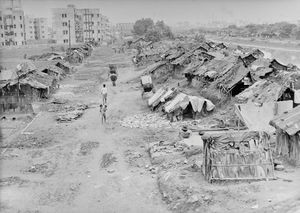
104 94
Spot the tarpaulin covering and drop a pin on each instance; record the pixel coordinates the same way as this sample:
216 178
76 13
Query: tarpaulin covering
257 117
156 96
181 100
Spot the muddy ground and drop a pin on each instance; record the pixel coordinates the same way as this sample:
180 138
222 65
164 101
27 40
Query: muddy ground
82 165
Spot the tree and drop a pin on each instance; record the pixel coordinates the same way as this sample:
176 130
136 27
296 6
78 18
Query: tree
142 25
153 35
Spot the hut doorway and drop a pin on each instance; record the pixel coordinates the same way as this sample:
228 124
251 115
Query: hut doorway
188 111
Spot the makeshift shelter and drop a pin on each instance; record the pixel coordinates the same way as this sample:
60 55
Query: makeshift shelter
168 95
75 57
64 66
237 155
187 106
277 66
237 79
288 134
249 59
158 70
265 91
220 46
257 116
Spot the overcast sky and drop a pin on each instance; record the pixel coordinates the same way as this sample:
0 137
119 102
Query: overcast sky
174 11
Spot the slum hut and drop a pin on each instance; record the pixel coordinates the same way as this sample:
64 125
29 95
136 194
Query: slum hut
265 91
54 71
159 70
237 79
249 113
190 70
216 67
237 155
220 46
257 53
75 57
288 134
277 66
249 59
185 106
184 59
65 66
260 69
158 101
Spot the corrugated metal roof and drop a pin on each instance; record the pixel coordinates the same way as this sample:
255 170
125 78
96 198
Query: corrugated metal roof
288 121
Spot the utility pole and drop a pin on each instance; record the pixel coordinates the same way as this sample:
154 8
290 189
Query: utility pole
69 35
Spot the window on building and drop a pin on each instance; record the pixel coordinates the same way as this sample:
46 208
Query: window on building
98 15
21 25
43 36
21 34
1 35
66 40
14 17
2 43
0 18
20 17
92 15
1 27
30 31
14 26
15 34
98 31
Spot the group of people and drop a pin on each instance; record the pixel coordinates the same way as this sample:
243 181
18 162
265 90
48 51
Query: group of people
103 106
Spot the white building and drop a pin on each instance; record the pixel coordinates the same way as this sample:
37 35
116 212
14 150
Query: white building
83 25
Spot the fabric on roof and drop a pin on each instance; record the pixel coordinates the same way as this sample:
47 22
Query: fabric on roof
250 112
156 96
7 75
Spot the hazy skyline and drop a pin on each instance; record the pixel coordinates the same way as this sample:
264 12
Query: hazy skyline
174 11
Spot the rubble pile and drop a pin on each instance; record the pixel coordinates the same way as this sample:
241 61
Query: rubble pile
12 181
47 169
87 147
71 113
30 141
155 121
107 160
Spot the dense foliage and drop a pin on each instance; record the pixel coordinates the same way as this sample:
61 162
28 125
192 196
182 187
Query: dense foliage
152 31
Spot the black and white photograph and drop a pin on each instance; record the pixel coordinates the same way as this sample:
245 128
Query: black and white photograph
149 106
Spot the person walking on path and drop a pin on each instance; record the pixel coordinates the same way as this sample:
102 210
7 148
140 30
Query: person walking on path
103 113
104 94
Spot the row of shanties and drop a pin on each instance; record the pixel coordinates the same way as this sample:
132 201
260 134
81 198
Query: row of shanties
261 88
36 79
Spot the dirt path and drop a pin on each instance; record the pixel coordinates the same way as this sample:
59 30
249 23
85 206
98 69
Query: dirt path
70 179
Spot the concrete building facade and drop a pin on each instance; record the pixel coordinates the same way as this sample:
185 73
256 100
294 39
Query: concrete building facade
12 24
84 25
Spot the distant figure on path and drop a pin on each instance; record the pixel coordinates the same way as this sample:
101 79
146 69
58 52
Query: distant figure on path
104 94
103 113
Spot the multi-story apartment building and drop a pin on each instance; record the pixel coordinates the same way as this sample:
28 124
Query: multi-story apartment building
124 29
29 28
36 28
12 24
79 25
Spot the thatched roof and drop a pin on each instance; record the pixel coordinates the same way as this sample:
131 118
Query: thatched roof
154 67
288 122
233 76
